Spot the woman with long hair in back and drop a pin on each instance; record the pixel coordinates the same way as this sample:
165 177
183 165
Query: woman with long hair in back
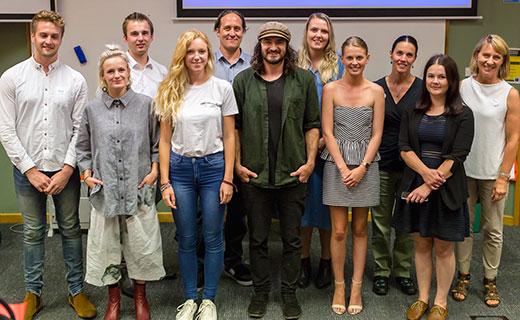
496 107
352 122
117 152
402 90
197 152
318 55
434 140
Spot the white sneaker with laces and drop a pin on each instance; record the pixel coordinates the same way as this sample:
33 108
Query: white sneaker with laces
207 311
187 310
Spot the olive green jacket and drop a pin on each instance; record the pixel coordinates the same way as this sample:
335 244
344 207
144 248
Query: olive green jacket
300 113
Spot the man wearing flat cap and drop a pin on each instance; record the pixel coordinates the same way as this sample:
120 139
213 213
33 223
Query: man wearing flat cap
277 140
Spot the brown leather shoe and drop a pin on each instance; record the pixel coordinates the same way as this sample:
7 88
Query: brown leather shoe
437 313
33 305
114 303
82 305
416 310
142 310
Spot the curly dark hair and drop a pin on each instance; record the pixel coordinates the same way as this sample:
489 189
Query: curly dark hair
289 61
453 104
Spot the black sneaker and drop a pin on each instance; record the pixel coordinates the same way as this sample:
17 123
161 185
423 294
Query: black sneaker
240 273
406 285
380 286
305 273
258 305
290 307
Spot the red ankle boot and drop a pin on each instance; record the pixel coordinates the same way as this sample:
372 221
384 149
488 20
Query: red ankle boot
142 311
114 303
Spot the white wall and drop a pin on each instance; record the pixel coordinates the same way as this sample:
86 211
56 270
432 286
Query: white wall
94 23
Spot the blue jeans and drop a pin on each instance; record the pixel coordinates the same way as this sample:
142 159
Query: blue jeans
196 181
32 204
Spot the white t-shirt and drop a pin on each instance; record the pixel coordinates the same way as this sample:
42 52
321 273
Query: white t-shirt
489 105
198 128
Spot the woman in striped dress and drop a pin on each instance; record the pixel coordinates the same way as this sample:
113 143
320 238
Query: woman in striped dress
352 120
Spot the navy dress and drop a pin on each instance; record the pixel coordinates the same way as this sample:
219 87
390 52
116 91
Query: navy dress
432 218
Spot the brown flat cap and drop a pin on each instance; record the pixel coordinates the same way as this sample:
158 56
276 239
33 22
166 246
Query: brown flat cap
274 29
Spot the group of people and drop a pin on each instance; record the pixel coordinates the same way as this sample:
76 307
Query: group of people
301 135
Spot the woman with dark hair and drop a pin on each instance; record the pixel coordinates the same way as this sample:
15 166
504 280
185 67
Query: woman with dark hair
434 139
402 90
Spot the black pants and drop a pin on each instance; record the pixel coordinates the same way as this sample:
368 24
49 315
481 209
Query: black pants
259 203
235 228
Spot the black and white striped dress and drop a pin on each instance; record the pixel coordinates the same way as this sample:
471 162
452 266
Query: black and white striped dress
352 130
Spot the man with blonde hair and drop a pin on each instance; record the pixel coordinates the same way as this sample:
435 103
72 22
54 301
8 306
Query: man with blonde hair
41 102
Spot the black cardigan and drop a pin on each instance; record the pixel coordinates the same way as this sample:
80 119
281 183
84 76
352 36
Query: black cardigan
456 146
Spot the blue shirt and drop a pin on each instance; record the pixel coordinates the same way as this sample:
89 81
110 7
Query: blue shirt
319 84
226 71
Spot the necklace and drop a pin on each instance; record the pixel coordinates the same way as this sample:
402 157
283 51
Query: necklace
398 89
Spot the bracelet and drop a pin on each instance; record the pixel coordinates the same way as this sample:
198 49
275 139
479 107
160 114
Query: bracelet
230 184
504 175
365 164
165 186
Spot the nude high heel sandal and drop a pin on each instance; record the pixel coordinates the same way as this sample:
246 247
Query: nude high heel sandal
337 307
354 309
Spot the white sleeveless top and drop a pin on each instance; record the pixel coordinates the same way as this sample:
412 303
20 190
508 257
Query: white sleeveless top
489 105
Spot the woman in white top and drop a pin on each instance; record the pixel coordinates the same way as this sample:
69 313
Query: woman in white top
196 155
496 108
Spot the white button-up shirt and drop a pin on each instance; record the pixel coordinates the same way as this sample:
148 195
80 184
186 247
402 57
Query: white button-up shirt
146 80
40 114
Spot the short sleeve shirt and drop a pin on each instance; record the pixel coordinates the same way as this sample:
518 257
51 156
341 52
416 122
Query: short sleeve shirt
198 128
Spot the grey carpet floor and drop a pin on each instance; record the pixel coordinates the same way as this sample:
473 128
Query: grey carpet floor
232 300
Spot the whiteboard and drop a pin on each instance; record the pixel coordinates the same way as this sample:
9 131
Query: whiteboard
23 10
94 23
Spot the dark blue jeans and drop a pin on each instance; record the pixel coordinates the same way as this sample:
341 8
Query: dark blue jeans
32 204
196 181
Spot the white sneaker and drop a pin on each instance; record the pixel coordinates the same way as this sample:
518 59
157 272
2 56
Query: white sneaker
207 311
187 310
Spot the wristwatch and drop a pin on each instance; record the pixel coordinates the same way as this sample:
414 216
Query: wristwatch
365 164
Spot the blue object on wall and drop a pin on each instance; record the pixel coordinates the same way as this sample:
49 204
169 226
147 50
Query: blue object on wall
80 54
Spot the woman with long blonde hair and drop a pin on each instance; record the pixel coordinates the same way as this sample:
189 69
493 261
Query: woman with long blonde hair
196 155
318 55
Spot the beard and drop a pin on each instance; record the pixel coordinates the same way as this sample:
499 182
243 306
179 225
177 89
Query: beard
273 60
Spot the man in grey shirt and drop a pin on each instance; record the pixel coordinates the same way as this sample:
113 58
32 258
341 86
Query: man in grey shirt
41 103
230 60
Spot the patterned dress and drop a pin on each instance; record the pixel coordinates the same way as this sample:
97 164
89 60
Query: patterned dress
353 130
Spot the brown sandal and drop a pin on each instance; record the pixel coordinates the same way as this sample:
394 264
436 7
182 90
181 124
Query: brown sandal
491 293
460 291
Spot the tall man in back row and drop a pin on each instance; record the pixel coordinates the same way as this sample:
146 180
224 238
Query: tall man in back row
41 103
230 60
277 141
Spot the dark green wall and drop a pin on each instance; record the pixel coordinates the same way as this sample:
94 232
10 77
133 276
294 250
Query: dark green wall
497 18
15 48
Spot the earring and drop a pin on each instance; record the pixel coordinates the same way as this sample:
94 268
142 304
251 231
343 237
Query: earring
104 89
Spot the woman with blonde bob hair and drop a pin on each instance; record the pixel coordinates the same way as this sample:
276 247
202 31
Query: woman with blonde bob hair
196 152
117 152
496 107
318 55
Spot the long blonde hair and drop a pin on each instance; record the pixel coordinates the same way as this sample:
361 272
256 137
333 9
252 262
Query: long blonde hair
329 63
171 90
